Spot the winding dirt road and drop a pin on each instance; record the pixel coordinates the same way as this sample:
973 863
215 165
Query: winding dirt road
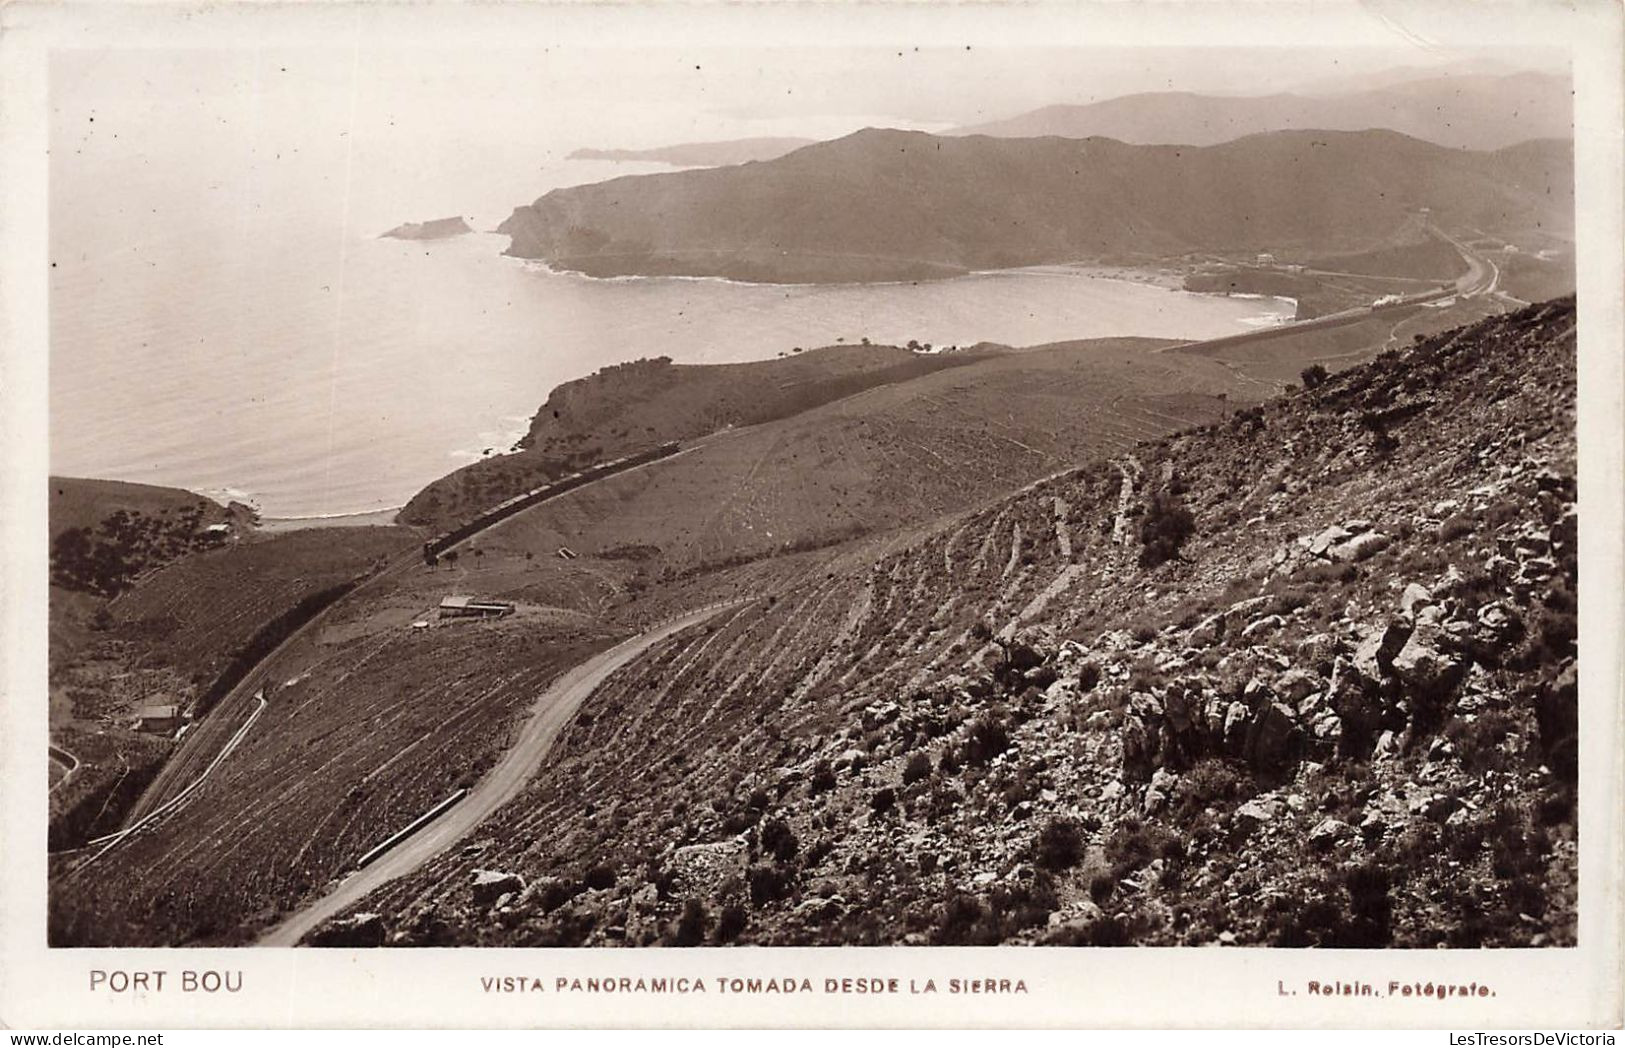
553 711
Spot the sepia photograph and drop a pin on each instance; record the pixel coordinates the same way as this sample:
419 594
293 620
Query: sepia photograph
585 489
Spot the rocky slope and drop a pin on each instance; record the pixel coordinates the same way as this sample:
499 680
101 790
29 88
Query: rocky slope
1304 676
900 205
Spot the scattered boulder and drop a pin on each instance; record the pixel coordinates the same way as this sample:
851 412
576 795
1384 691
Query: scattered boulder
1267 624
1272 738
1415 597
700 869
1322 543
1360 547
1260 811
363 930
490 885
1329 832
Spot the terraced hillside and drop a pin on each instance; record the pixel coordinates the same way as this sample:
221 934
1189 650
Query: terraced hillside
166 641
627 408
736 514
887 457
1304 676
372 731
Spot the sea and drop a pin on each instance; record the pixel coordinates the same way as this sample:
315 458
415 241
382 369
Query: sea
226 318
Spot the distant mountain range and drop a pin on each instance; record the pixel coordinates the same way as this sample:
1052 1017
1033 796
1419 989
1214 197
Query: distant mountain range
1467 112
702 154
902 205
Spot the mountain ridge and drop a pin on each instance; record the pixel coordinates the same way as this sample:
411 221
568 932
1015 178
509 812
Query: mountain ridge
1475 111
907 205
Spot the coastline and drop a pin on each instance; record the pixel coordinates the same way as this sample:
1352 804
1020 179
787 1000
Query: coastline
368 519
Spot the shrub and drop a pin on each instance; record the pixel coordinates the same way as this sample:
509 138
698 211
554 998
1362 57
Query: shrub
1059 845
823 778
600 877
957 921
884 800
731 923
692 924
987 738
778 840
1454 527
768 883
556 894
1164 529
1313 376
917 768
1133 845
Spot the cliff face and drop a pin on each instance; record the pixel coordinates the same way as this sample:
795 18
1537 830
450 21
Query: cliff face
1303 677
895 205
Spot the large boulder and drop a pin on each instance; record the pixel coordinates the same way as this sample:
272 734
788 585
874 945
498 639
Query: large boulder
1273 737
701 869
1360 547
491 885
1295 685
1322 543
1374 654
362 930
1429 670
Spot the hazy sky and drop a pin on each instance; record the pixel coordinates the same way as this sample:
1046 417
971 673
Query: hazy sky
650 96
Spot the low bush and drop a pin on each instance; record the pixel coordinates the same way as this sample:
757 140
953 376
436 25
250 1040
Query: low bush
1164 528
691 926
778 840
987 738
731 922
1059 845
917 768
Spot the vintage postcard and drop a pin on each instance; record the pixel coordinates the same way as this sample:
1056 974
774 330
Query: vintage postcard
1113 509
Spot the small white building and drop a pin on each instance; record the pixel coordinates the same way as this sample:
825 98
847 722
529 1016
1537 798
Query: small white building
158 719
466 607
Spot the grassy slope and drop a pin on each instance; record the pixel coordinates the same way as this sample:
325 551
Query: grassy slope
76 502
630 407
888 457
